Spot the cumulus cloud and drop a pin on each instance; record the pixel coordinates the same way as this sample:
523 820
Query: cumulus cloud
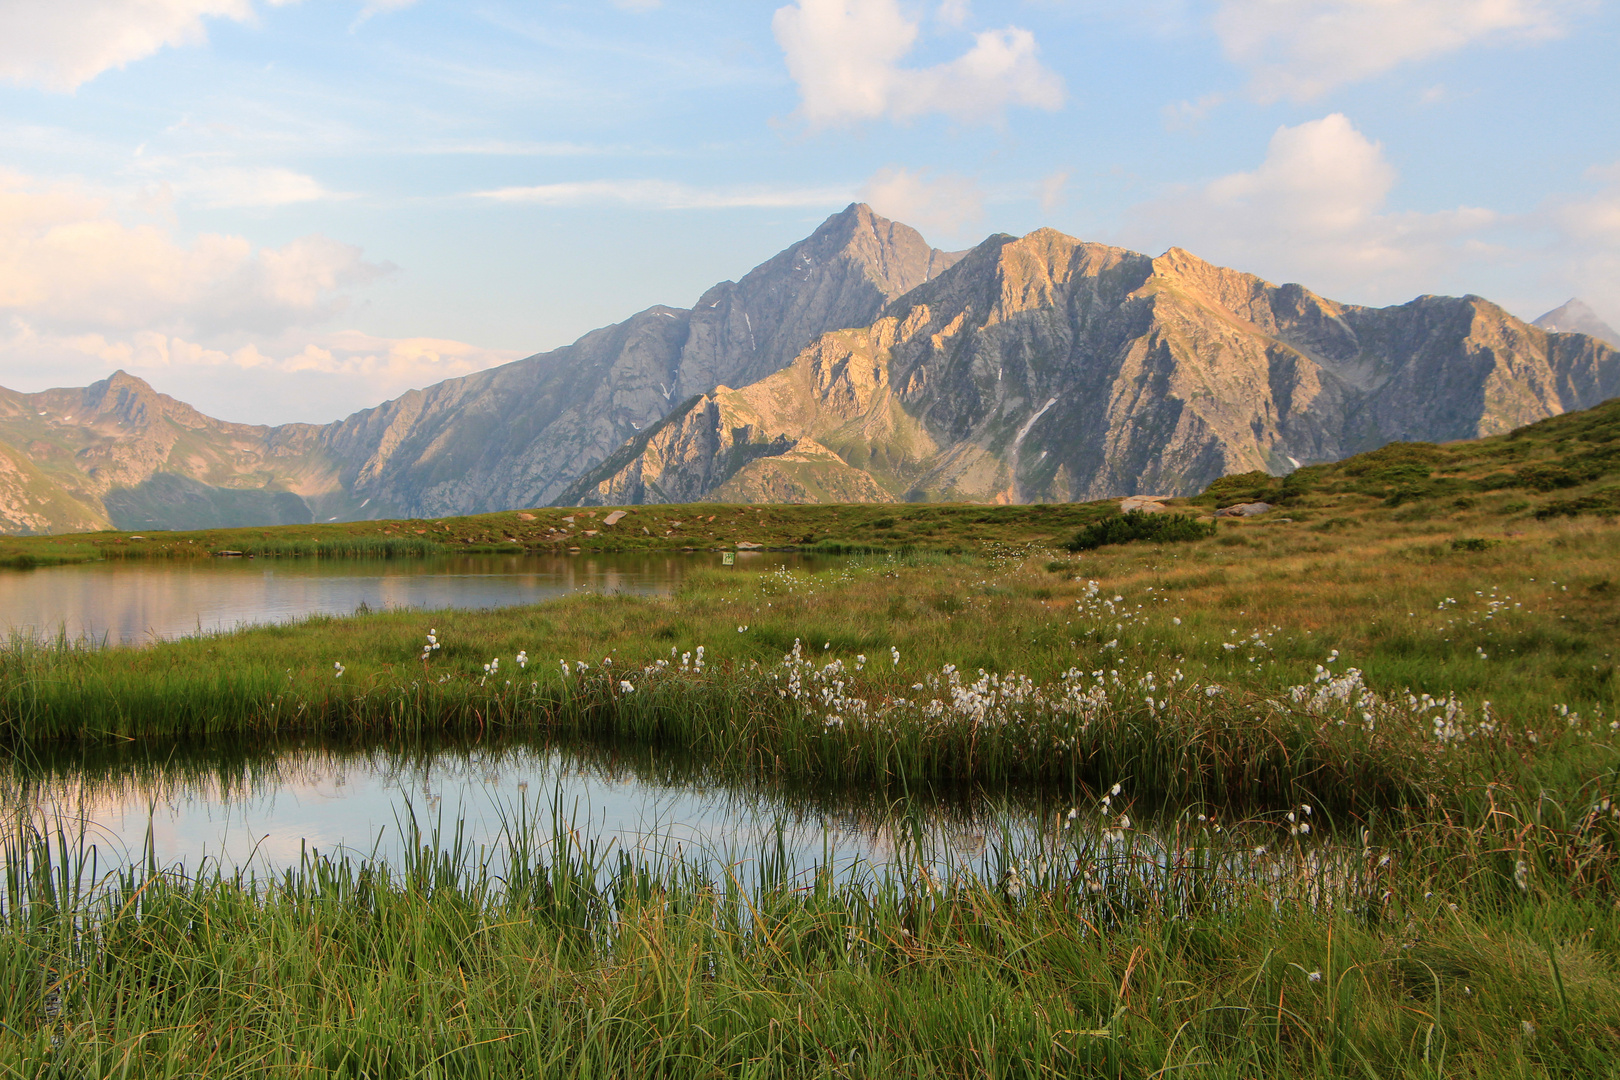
943 206
63 44
67 262
1300 48
846 57
235 329
665 195
1315 211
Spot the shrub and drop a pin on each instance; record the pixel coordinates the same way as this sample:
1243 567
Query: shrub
1135 525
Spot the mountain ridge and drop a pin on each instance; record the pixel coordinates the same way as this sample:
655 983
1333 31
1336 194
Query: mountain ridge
1046 368
858 364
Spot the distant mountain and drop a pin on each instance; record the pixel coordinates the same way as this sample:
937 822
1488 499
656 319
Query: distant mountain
1044 368
858 365
1576 318
118 453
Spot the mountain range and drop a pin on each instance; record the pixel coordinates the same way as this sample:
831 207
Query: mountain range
860 364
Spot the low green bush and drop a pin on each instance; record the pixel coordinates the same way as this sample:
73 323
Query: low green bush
1136 525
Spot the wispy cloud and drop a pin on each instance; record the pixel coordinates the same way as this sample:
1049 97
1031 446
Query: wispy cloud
1301 48
945 205
666 195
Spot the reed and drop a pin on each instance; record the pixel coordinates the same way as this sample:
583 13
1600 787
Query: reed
1409 953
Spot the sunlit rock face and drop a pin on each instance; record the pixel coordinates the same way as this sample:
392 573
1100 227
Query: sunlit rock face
1043 368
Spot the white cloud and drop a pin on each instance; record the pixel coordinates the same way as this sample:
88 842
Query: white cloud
1053 190
242 187
1586 262
1301 48
69 265
638 5
63 44
1314 211
946 206
665 195
955 12
1188 115
846 57
294 376
381 7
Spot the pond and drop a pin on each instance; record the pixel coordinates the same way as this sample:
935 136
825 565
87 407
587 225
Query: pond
261 809
136 601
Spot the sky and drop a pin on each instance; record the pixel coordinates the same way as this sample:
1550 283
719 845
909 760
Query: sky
287 210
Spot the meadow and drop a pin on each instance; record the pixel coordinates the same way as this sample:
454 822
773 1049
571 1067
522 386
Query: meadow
1342 782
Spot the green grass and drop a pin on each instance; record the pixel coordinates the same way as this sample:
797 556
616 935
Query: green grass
1419 642
1406 957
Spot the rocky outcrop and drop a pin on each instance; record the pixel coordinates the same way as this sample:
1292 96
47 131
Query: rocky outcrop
1043 368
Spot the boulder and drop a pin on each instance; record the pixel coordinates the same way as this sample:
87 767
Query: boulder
1147 504
1243 510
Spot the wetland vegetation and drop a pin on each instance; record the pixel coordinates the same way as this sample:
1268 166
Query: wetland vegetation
1338 785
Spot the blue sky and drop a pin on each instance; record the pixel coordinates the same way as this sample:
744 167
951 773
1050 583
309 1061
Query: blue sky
288 209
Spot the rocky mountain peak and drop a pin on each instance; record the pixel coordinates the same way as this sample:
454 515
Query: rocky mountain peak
1575 317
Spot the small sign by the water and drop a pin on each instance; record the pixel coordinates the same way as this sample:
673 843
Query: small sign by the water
728 558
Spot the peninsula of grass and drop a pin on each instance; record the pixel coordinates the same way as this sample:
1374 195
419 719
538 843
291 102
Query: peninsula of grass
1418 644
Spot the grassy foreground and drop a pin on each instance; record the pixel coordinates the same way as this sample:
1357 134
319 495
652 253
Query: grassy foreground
1418 644
1105 960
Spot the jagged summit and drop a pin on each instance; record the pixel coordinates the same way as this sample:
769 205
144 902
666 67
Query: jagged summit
1043 368
1576 317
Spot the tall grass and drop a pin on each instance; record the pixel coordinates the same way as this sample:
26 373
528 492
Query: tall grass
280 545
1413 956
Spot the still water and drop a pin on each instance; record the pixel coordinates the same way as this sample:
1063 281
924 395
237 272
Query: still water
260 810
133 602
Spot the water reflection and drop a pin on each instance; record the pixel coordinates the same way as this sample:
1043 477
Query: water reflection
261 808
132 602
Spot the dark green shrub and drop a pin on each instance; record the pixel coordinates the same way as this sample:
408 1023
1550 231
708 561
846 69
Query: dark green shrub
1135 525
